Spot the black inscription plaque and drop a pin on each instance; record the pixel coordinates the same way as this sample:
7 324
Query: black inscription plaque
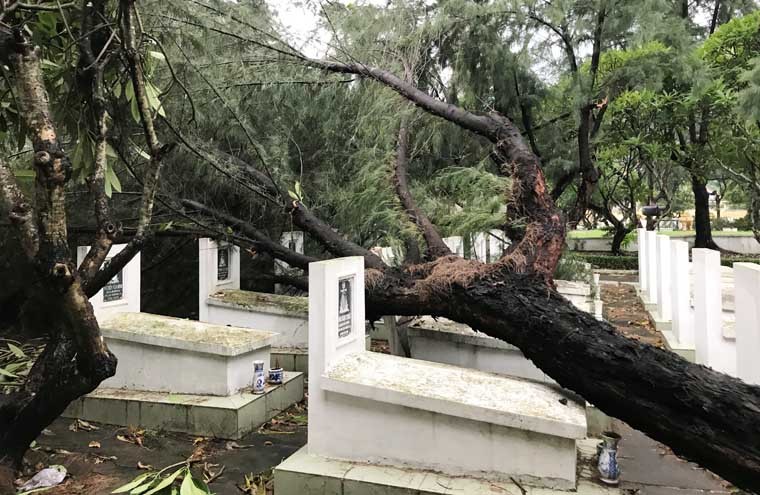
223 263
345 317
114 289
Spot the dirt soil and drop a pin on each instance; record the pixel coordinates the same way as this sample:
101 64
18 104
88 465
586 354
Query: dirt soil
102 458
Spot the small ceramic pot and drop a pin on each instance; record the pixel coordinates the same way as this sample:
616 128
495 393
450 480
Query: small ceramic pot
259 379
609 472
275 376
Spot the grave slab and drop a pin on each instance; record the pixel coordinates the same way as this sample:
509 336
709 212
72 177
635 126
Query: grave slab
308 474
223 417
387 410
182 356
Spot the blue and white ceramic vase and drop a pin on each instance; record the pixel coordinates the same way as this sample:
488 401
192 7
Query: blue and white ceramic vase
275 376
609 472
259 378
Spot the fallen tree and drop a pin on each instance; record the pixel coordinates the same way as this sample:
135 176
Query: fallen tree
703 415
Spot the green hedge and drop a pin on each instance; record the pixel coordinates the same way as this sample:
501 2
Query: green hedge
626 262
608 261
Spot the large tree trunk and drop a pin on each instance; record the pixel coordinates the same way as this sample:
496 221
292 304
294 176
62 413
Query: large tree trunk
702 214
75 359
618 237
701 414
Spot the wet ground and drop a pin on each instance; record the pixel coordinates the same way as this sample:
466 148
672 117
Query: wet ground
648 467
100 460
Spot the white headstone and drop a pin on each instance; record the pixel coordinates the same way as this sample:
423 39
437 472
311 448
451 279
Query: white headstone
480 247
747 300
336 329
643 262
664 282
497 244
218 269
711 349
652 276
455 244
292 240
683 328
122 293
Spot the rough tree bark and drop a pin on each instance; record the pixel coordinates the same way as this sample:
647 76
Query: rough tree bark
702 225
75 359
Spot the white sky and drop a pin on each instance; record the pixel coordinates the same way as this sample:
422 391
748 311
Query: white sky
300 19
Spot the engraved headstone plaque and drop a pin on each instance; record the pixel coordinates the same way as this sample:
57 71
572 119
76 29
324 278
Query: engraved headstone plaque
114 289
223 263
345 319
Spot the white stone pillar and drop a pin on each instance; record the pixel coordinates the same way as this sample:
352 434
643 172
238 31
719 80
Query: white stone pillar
122 293
682 327
218 269
480 247
711 349
652 275
455 244
747 301
641 245
664 282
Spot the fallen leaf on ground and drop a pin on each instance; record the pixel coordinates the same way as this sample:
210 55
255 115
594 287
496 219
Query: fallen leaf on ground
80 425
140 465
94 445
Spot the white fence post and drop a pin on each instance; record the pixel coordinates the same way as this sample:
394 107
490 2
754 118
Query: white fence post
708 311
664 282
652 275
682 327
641 244
747 302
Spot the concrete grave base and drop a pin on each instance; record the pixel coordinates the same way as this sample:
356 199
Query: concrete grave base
223 417
672 344
308 474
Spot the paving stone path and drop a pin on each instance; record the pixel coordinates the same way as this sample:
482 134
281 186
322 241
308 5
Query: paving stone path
648 467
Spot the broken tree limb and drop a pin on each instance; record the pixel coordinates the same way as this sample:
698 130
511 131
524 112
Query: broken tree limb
435 245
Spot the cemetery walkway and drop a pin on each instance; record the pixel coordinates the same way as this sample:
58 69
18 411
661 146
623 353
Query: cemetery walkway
648 467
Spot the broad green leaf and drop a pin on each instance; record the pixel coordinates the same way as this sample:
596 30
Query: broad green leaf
3 372
166 482
16 351
133 484
112 179
135 111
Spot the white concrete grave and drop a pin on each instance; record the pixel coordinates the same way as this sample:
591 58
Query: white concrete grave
380 409
182 375
444 341
121 293
712 347
747 287
164 354
222 302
